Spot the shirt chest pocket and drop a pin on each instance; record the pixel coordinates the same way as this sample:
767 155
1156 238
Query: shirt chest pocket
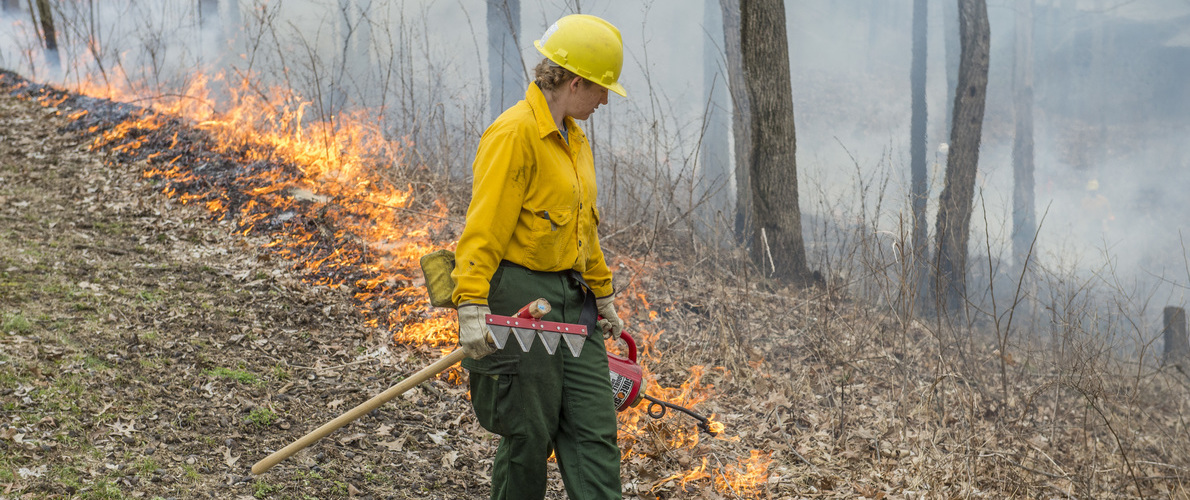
553 235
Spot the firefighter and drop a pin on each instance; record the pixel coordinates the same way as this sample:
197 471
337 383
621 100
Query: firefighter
531 232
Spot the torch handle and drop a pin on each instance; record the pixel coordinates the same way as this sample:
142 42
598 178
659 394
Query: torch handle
631 345
359 411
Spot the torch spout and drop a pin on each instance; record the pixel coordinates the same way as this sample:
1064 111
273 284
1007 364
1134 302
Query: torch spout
704 424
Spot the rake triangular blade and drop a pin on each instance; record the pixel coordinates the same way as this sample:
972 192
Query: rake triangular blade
499 335
550 339
524 337
574 342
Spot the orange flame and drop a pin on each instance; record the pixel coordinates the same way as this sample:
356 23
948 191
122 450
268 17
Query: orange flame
742 480
746 478
334 180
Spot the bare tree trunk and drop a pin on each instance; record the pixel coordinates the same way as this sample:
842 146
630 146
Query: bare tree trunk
1024 218
714 176
951 45
741 129
919 190
49 35
956 202
506 69
777 243
208 13
1177 347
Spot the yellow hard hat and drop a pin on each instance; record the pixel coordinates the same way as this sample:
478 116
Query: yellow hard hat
1093 185
588 46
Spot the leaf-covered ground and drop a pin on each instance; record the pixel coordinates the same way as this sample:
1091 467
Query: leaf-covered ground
147 352
150 350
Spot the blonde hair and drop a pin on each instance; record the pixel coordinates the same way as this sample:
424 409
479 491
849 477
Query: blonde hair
549 76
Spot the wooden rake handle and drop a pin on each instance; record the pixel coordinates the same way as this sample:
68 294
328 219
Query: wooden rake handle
359 411
535 309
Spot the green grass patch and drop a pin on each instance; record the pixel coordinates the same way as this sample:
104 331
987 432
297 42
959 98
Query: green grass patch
146 465
280 373
67 476
150 363
69 385
11 290
94 363
189 473
240 376
15 323
109 227
261 489
262 417
102 490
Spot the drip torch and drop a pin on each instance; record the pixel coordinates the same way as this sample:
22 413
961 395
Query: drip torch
628 386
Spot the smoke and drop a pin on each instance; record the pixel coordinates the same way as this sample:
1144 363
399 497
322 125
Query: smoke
1111 100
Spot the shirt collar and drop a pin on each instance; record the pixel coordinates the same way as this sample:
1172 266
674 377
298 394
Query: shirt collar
545 121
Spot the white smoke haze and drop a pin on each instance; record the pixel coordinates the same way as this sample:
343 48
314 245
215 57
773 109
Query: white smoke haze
1112 106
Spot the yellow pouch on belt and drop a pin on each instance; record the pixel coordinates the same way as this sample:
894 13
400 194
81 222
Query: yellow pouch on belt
436 268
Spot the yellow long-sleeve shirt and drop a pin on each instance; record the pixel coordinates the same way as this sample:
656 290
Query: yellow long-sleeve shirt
532 202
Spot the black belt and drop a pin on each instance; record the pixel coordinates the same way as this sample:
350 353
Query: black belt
588 315
571 273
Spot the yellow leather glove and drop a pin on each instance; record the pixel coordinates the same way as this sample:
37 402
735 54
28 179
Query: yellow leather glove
473 331
610 323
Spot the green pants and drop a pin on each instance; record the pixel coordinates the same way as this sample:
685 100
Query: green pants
540 403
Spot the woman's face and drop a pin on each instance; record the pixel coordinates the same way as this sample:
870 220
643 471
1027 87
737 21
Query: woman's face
585 98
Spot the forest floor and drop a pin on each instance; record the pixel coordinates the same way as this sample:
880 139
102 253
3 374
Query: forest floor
146 351
150 350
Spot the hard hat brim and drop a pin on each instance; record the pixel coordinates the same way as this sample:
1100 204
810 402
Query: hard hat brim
561 61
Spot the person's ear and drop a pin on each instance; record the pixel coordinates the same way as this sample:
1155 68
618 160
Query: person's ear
576 83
